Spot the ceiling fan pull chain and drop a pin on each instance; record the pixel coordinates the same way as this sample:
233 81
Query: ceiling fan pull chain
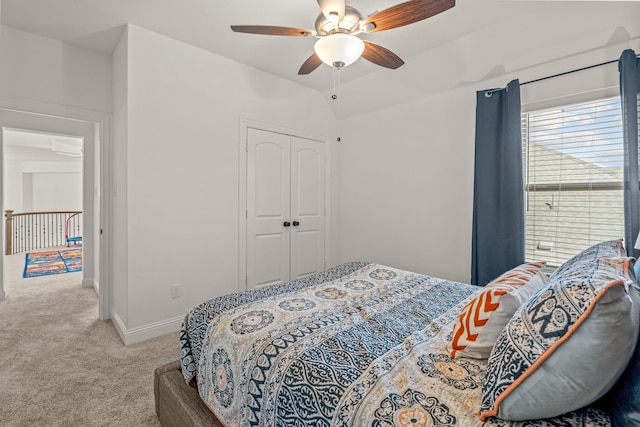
336 97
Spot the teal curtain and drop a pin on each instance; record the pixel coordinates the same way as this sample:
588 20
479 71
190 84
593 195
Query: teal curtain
629 67
498 197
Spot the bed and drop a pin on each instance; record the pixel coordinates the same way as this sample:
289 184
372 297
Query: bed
361 344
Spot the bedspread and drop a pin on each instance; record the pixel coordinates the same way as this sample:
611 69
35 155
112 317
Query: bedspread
357 345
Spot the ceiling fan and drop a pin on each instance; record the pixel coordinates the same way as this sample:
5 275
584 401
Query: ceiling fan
338 27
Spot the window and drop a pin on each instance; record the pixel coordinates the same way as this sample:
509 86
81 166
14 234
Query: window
573 163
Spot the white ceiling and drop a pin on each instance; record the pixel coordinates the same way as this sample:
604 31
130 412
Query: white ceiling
205 23
430 48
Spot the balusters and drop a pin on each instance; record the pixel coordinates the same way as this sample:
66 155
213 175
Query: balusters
36 230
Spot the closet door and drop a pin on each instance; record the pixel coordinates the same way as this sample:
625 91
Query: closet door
285 207
307 207
268 208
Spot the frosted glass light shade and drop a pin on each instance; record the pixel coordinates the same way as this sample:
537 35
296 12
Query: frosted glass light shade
339 50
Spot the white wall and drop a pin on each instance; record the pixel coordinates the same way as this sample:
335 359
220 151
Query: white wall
179 124
14 193
45 70
42 185
26 201
406 186
406 172
56 192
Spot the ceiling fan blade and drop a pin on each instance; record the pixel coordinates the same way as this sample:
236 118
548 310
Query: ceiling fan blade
271 31
381 56
406 13
310 64
332 7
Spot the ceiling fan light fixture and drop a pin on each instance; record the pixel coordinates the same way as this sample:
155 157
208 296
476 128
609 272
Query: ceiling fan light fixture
328 26
349 24
339 50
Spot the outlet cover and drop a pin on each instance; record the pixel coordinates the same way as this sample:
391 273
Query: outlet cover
176 290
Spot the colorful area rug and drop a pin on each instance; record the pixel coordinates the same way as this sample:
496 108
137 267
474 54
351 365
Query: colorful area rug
52 262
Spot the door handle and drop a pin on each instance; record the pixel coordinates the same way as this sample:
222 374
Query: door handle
296 223
286 224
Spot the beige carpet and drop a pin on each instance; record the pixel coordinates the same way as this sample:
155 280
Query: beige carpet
60 366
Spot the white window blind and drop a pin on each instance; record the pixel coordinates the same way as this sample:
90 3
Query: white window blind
573 160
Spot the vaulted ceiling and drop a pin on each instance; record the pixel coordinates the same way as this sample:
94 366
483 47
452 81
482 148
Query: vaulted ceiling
474 40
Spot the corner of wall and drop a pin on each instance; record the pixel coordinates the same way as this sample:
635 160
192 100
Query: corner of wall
118 187
120 327
90 282
146 332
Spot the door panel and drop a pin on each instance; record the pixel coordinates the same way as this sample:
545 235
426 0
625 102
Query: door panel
268 253
308 174
308 243
268 207
307 207
271 181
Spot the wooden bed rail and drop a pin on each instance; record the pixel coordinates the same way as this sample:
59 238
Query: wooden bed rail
26 231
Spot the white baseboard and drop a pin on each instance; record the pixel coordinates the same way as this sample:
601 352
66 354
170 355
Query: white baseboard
146 332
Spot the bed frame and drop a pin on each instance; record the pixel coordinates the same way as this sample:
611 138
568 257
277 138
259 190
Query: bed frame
178 404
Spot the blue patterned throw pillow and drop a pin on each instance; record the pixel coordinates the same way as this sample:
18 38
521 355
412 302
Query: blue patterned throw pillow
567 346
606 249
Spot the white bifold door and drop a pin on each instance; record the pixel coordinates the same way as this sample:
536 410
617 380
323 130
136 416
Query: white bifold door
285 207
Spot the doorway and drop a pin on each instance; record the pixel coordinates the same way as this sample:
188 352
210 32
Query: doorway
90 132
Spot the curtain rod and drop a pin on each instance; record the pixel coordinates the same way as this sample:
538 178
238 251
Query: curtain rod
489 92
570 72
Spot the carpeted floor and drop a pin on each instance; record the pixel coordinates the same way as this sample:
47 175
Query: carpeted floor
60 366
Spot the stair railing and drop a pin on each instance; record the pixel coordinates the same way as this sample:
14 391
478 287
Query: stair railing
27 231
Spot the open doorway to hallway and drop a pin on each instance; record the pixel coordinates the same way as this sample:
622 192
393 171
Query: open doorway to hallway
71 124
43 202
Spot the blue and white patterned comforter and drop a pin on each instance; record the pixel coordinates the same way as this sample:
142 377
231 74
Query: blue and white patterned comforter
357 345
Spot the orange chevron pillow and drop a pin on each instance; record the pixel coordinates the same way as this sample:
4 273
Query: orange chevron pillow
478 326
